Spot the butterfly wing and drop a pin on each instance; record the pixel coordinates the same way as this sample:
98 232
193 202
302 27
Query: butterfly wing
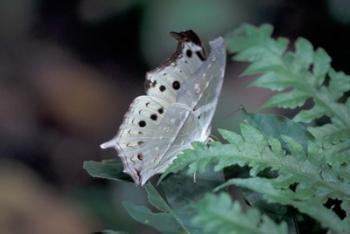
142 141
193 78
160 125
168 80
205 85
201 97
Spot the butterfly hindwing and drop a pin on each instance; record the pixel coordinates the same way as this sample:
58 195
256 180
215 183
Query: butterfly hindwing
142 146
168 139
135 135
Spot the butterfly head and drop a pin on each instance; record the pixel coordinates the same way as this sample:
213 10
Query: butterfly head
189 43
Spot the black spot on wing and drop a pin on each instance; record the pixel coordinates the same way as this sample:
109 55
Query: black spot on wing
176 85
140 156
142 123
154 117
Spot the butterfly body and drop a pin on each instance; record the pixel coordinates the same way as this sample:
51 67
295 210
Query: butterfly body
181 99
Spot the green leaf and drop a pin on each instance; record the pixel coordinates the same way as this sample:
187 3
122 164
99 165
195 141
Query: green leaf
313 207
166 220
231 137
293 147
107 169
304 53
199 155
163 222
298 74
333 133
181 191
339 83
304 163
291 99
218 214
278 126
155 198
270 81
307 116
249 36
321 65
251 134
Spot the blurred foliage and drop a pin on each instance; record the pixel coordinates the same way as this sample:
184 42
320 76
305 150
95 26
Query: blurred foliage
16 18
28 205
95 10
166 16
340 10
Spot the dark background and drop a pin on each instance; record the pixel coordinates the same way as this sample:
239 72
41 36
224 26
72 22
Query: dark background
68 71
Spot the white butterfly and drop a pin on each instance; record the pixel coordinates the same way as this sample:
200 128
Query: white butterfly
181 99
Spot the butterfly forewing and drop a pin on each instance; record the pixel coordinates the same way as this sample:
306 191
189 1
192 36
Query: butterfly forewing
201 96
167 80
205 85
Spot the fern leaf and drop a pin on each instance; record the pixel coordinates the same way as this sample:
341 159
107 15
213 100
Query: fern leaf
291 99
308 116
318 178
334 133
313 207
269 80
218 214
278 126
339 83
321 65
299 74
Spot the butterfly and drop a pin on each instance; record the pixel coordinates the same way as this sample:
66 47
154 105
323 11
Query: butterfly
182 95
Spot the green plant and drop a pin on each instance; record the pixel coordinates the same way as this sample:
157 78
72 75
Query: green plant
296 169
